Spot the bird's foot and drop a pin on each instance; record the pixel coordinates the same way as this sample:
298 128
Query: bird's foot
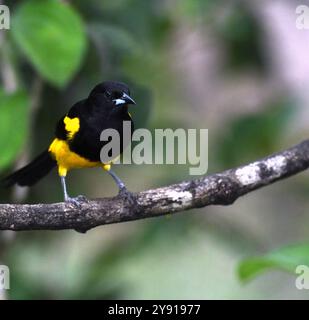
77 201
126 195
82 198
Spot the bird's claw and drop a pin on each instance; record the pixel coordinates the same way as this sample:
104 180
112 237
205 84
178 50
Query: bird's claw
126 195
77 201
82 198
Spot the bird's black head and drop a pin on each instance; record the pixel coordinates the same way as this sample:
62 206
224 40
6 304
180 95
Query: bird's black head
115 93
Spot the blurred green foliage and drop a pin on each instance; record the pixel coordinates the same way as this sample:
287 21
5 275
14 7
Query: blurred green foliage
241 35
244 139
73 45
286 259
13 130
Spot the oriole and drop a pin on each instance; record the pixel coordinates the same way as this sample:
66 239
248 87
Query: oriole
77 138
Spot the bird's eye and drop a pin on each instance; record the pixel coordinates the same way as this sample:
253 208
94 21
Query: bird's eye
108 94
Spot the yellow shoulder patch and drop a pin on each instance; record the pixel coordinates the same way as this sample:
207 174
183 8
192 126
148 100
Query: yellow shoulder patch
71 126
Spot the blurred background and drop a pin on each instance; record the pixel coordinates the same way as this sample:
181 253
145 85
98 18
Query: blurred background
237 68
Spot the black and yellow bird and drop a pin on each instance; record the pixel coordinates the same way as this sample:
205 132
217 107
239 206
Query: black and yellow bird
77 138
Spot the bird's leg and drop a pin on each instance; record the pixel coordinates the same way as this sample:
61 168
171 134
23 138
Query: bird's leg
123 191
76 201
64 188
121 186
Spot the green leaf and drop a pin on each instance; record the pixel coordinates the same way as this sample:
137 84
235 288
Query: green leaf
51 35
13 125
286 259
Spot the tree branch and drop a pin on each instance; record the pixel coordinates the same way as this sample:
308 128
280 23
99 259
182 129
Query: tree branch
217 189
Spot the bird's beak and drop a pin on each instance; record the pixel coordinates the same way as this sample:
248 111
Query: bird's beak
125 99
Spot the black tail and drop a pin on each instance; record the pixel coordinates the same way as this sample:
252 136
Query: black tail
32 173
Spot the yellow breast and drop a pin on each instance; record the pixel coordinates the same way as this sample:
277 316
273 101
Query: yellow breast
67 159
